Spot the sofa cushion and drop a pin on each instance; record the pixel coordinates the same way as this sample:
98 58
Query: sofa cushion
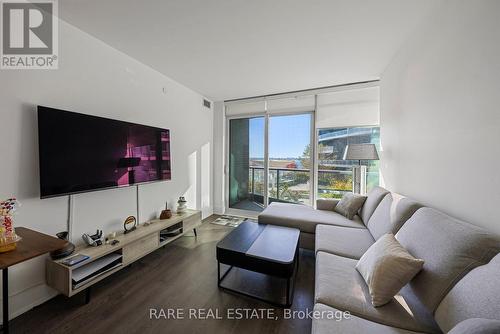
303 217
373 199
343 241
477 295
349 205
392 212
477 326
450 248
338 284
323 323
326 203
386 267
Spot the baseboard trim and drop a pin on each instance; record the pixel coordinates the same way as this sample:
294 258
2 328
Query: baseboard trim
219 210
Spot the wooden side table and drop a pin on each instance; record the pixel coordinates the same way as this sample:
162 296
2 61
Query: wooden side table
33 244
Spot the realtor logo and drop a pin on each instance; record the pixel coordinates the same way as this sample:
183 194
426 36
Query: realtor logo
29 34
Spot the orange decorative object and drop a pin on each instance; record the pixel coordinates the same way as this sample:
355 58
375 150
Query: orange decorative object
8 240
8 247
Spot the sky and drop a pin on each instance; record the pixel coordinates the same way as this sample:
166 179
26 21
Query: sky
288 136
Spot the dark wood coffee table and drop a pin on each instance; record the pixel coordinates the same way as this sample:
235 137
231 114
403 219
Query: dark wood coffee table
266 249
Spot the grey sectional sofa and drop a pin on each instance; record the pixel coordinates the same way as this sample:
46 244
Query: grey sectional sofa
457 286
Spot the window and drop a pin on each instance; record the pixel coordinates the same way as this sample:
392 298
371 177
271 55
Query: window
290 159
334 173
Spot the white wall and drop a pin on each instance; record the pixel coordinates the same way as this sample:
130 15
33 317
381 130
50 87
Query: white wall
94 78
440 113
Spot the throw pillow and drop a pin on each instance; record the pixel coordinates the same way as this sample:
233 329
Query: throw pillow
349 205
386 267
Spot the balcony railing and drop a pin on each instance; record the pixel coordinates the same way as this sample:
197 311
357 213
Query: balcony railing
292 184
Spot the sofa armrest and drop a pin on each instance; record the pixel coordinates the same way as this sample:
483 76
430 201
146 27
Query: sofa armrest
326 204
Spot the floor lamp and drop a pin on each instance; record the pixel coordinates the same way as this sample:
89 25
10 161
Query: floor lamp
360 152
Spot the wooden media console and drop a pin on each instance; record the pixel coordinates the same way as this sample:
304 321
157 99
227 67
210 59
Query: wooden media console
107 259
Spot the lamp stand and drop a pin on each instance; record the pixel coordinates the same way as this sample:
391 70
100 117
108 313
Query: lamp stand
359 179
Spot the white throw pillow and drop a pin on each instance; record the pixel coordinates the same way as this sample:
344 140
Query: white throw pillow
386 267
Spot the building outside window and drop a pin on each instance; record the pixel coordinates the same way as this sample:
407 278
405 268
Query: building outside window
334 173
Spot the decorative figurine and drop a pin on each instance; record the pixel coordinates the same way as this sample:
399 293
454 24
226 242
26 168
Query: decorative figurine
130 224
93 240
167 213
181 205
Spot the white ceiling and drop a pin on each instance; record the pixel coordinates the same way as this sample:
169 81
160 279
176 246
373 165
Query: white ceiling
238 48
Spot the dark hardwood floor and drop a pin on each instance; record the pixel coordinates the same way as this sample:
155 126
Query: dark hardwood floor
183 275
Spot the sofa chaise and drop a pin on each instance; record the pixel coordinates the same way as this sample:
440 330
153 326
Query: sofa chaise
456 288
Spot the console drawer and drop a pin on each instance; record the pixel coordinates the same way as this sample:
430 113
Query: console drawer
140 248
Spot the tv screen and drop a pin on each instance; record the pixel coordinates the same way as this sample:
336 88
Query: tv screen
80 153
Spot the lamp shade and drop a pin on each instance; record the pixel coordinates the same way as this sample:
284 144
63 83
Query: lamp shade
361 152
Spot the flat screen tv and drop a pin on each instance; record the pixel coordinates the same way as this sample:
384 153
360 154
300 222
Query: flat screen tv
81 153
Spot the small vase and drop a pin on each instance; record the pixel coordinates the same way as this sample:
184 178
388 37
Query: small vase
166 214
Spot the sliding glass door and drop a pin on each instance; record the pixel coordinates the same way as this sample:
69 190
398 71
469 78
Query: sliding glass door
246 164
269 160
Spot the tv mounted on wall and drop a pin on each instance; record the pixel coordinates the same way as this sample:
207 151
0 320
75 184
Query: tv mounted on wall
80 153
